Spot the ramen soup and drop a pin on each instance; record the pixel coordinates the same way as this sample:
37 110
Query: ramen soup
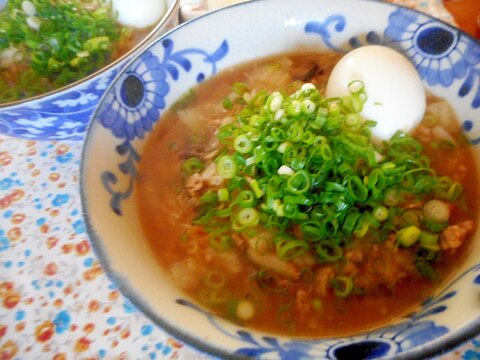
46 44
270 205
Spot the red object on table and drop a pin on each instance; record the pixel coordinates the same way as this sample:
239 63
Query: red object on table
466 14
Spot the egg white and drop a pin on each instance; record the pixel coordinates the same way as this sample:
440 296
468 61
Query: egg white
139 13
396 98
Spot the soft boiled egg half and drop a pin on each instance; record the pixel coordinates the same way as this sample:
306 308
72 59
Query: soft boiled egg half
139 13
396 98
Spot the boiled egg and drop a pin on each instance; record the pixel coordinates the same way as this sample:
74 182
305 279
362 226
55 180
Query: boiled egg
396 98
139 13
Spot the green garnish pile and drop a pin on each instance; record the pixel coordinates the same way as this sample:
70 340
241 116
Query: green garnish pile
305 167
59 41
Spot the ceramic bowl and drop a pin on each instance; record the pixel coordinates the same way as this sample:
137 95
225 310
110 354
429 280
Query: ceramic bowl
64 114
449 64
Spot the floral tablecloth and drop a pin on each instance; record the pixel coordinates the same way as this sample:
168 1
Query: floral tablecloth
55 300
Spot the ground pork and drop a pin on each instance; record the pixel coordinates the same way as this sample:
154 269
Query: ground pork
453 236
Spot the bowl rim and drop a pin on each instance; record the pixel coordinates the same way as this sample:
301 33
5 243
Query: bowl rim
174 6
437 347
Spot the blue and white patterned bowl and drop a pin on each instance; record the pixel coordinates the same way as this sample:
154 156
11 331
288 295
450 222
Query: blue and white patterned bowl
449 63
64 114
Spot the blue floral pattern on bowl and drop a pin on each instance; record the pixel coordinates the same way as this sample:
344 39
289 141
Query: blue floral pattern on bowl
62 116
441 53
135 104
137 99
418 328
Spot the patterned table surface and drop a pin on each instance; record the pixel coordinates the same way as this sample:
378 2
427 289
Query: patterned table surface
55 300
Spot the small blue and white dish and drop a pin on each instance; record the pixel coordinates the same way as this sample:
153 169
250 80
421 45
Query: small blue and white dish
64 114
448 62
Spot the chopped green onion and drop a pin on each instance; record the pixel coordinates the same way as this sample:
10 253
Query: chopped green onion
268 282
351 222
392 198
285 170
429 241
436 211
223 195
294 108
304 164
342 286
426 270
243 144
411 217
245 199
408 236
274 102
205 217
454 191
352 121
357 189
288 250
227 104
248 217
435 226
227 167
299 182
380 213
356 86
308 106
192 165
256 188
240 88
209 197
328 252
225 212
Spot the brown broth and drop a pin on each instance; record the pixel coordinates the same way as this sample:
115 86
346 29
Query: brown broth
165 216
